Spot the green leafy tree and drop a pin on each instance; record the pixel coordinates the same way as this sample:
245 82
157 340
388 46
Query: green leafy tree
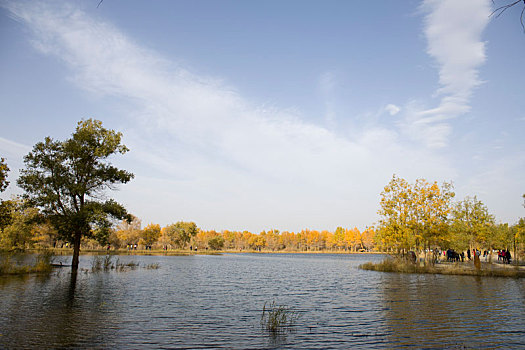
472 224
4 169
7 208
502 236
67 180
518 232
181 233
216 243
19 233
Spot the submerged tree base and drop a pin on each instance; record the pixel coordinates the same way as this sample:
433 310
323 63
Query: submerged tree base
403 266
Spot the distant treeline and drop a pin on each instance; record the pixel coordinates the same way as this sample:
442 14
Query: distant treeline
413 216
408 222
21 230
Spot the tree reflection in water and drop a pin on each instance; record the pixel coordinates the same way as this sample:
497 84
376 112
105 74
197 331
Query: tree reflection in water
433 310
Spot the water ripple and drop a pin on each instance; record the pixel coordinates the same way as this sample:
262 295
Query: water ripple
216 302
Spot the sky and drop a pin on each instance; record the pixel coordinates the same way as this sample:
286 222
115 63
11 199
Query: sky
253 115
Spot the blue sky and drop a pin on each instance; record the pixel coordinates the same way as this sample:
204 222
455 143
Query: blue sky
274 114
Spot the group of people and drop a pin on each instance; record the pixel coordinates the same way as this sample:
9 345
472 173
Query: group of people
451 255
504 255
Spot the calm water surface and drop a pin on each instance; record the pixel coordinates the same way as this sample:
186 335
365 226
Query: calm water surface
216 302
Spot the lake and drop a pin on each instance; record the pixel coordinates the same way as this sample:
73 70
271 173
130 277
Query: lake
216 301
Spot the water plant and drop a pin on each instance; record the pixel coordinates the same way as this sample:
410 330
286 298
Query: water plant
153 266
43 261
125 266
96 264
107 264
277 319
41 264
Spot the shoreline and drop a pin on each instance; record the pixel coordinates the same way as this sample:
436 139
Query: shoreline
492 269
69 251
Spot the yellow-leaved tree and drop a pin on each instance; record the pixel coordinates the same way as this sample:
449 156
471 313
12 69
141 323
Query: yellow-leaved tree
414 216
128 233
150 235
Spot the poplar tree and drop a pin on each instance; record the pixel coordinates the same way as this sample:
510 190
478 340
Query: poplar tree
414 215
67 181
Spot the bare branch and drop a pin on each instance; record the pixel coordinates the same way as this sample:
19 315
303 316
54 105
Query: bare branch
499 11
521 16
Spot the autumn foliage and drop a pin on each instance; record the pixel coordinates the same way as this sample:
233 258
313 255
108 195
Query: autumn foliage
184 235
417 216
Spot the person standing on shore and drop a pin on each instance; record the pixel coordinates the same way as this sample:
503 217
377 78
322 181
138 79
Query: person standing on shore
507 256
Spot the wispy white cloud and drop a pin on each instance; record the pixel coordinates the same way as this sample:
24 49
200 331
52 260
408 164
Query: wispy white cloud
14 153
201 151
453 31
9 148
392 109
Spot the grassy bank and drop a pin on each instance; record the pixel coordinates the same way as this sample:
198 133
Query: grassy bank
41 264
467 269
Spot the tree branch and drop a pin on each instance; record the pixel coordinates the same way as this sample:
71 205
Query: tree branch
499 11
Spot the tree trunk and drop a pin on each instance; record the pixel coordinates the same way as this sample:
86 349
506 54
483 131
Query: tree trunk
76 251
477 263
515 252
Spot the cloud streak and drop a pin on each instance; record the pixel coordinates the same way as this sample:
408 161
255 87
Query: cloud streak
453 32
203 152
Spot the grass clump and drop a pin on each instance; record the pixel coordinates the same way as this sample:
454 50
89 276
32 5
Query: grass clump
153 266
41 264
107 263
9 267
277 319
126 266
102 264
403 266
